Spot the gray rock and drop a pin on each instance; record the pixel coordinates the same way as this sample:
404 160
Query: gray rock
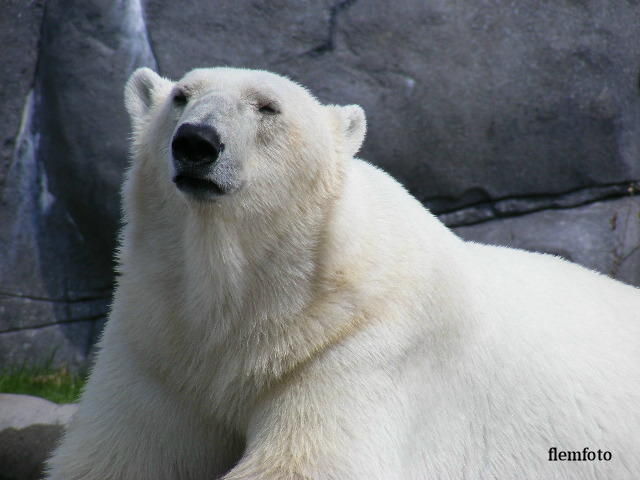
89 48
48 273
467 102
20 312
21 411
602 236
514 206
250 34
60 207
29 430
68 344
23 452
19 32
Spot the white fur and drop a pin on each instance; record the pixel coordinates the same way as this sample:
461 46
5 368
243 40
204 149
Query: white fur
320 323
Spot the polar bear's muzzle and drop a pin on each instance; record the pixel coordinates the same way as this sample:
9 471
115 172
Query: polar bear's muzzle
196 145
196 150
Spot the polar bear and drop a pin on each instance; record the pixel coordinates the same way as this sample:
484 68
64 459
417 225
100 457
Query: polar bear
287 311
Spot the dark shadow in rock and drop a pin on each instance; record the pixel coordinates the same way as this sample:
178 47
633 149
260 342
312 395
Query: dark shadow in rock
23 452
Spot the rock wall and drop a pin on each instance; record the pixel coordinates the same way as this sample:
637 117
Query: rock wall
518 123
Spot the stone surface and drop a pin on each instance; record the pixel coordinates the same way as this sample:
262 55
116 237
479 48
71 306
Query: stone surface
60 206
509 207
467 102
21 411
23 452
89 48
29 430
19 32
67 344
602 236
48 273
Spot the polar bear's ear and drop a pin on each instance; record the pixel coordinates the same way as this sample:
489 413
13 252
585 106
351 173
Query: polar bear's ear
143 89
353 126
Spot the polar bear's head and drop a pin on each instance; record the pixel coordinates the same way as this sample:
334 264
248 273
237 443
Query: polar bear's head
236 136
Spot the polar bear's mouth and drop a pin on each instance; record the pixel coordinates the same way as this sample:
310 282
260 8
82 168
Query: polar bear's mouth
197 186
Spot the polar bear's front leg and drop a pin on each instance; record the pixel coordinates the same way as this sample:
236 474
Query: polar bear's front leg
336 428
129 427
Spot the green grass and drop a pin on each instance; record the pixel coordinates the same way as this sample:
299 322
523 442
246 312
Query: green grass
53 383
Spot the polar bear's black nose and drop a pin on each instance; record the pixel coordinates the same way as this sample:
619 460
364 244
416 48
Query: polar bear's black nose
196 145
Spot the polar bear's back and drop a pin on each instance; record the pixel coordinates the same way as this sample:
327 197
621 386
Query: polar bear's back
558 293
573 320
530 351
555 350
505 287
